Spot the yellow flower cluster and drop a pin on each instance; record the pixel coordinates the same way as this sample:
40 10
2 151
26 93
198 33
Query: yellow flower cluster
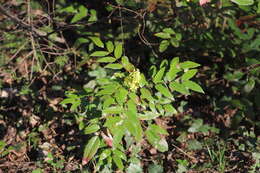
133 80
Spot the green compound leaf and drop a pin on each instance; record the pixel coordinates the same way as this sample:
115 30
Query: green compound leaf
175 42
80 15
178 36
168 30
113 110
169 110
179 88
118 161
189 74
172 73
107 59
126 64
117 136
114 66
133 125
148 115
99 53
90 149
165 91
188 65
145 93
97 41
120 154
243 2
163 35
193 86
121 95
118 50
109 46
106 153
91 129
108 89
131 106
164 45
158 77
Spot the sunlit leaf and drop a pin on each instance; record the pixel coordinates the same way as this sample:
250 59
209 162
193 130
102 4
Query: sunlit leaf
243 2
164 45
97 41
118 50
118 162
163 35
91 129
99 53
105 154
118 135
120 154
164 90
114 66
121 95
133 125
93 16
158 77
90 149
188 65
106 59
189 74
168 30
175 42
80 15
178 36
110 46
169 110
179 88
193 86
126 64
113 110
146 94
171 74
148 115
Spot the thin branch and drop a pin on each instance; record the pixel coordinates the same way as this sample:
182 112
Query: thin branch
21 23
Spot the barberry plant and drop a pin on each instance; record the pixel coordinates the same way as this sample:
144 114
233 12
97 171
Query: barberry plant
118 112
